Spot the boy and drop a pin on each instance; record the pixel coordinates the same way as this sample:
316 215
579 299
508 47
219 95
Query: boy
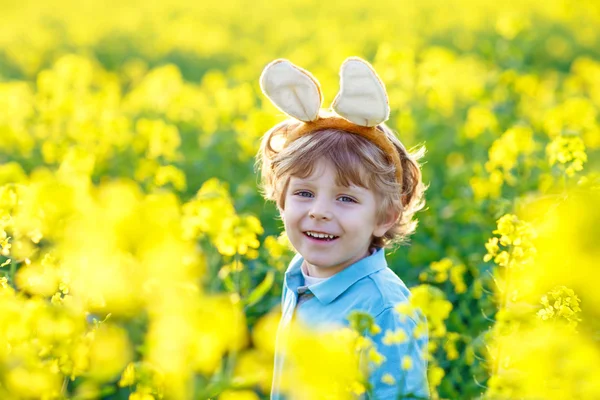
346 188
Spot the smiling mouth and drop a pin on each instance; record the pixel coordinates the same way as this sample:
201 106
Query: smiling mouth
321 239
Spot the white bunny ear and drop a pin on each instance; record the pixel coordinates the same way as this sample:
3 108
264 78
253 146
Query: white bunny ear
292 89
362 98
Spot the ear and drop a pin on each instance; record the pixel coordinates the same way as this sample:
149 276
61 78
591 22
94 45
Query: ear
292 90
382 228
362 98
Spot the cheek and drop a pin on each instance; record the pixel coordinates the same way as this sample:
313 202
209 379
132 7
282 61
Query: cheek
290 215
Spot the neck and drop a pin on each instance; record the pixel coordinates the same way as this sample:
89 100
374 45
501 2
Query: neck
319 272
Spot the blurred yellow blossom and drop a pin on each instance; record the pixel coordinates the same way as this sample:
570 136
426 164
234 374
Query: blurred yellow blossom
432 303
323 360
109 353
388 379
278 247
441 269
457 278
406 363
263 334
394 337
505 152
568 152
450 345
545 361
170 174
238 395
254 367
487 187
560 303
110 112
516 238
479 119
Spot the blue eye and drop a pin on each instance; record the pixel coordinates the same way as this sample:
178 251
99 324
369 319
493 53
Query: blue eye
346 197
302 191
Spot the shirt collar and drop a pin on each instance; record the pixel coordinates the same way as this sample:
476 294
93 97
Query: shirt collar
328 290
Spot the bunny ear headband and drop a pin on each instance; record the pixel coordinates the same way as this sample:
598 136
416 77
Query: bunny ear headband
361 103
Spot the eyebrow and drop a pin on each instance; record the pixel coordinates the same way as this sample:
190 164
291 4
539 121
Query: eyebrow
302 182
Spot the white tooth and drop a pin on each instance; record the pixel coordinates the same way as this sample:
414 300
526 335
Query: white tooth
320 235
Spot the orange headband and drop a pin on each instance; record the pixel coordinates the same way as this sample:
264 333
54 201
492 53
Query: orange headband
361 104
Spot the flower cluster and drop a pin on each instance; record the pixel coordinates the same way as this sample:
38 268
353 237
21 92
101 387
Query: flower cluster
440 271
568 152
516 238
560 303
212 213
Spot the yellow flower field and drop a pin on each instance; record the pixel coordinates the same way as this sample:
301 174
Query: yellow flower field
138 260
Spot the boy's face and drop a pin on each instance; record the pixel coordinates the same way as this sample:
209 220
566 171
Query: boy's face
316 205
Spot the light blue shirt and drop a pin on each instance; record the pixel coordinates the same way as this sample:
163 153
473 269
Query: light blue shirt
369 286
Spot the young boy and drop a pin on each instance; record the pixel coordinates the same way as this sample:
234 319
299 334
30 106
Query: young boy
346 188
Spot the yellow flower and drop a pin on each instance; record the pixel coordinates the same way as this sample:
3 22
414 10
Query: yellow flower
406 363
159 139
516 237
502 259
479 119
456 277
395 337
205 213
140 396
109 352
441 269
450 345
492 248
388 379
263 334
576 114
170 174
504 153
32 383
357 388
128 376
239 236
489 187
432 303
560 302
375 357
254 367
323 360
278 248
567 151
435 374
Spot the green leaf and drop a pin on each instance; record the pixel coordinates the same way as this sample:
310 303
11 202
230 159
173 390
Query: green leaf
262 289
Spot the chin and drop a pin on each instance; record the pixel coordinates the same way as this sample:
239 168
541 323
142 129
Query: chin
316 261
320 262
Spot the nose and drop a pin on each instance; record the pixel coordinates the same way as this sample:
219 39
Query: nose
320 210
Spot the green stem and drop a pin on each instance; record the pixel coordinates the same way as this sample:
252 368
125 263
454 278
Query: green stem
12 272
503 303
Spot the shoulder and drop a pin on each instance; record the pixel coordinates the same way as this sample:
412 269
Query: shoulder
378 292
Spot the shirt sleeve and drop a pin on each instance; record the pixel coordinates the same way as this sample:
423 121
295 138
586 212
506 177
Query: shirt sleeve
399 377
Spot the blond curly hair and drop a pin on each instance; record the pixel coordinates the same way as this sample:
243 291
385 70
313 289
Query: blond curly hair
357 161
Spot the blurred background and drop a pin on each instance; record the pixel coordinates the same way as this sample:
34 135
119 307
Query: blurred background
139 261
